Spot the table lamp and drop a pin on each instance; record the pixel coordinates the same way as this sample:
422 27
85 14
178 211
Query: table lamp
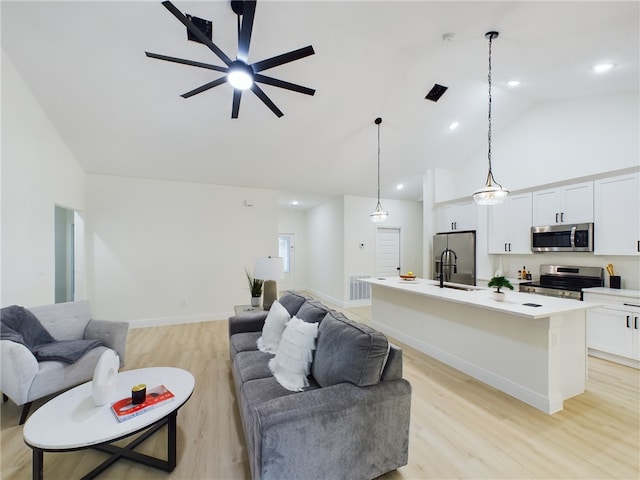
269 269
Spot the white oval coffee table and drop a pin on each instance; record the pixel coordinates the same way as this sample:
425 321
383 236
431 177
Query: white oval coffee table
71 421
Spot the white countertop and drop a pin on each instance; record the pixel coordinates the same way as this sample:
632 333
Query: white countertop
481 297
620 292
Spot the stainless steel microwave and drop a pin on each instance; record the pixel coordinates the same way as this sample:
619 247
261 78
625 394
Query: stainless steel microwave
562 238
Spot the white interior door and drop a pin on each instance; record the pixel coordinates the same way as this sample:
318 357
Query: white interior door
387 252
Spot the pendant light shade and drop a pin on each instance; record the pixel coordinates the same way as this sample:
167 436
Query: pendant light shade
379 214
492 193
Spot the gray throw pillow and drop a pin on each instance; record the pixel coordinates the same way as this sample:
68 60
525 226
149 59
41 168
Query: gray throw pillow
348 351
312 311
292 301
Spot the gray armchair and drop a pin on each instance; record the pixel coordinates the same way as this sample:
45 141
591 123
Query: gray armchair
24 379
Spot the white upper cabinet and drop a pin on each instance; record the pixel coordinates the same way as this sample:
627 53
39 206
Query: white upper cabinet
457 217
616 227
567 204
510 225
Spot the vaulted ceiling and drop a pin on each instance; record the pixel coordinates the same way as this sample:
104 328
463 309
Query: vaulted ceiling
121 113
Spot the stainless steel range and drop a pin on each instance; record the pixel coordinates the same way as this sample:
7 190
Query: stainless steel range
564 281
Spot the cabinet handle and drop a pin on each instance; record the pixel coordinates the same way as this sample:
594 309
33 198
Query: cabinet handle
561 217
628 321
556 218
509 246
505 247
638 246
635 323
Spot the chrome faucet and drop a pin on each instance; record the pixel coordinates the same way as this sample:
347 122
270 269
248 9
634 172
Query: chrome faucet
447 253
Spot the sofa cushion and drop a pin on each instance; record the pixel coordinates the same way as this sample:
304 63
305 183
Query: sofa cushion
292 301
292 363
273 327
243 342
312 311
254 393
251 365
348 351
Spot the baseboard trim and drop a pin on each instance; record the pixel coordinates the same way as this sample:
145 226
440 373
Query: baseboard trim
156 322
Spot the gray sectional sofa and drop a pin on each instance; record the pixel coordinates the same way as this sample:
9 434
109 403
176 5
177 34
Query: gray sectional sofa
352 422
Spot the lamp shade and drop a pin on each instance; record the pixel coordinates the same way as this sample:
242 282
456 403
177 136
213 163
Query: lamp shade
268 268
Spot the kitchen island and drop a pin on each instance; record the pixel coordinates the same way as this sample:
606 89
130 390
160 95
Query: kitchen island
531 347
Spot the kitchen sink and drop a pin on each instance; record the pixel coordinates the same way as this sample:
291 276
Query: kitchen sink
465 288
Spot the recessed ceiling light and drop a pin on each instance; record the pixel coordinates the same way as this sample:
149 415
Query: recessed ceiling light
294 203
602 67
400 186
513 83
454 125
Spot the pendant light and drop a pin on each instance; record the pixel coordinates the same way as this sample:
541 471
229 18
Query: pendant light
492 193
379 214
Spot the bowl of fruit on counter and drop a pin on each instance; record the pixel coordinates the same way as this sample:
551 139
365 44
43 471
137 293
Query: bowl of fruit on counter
407 277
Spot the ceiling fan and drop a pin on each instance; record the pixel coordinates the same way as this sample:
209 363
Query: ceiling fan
241 74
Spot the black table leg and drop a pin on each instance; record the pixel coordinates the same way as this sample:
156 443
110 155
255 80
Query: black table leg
171 441
127 452
38 463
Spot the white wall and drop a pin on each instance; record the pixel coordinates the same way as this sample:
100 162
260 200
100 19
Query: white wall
173 251
337 228
38 173
325 259
555 142
358 228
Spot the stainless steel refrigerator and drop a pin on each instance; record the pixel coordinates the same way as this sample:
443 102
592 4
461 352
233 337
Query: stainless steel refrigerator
457 252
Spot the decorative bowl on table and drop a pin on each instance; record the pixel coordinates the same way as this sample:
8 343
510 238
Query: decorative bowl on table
407 277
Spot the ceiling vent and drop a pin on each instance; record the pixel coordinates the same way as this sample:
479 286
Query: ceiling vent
205 26
436 92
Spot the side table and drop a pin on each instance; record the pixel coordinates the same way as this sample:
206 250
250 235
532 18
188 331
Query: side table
239 309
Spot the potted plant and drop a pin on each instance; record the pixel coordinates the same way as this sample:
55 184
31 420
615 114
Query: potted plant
499 282
255 285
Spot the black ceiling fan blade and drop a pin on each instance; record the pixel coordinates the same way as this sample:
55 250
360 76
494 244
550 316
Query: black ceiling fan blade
267 101
282 59
282 84
205 87
235 109
244 39
197 32
184 61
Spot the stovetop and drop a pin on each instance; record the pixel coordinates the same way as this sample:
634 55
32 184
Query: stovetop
564 281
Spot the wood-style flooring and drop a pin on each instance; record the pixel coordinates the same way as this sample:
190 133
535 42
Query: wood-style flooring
460 428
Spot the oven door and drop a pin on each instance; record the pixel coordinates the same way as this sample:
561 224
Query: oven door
562 238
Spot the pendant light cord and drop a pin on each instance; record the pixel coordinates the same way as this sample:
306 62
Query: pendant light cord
378 157
489 116
490 179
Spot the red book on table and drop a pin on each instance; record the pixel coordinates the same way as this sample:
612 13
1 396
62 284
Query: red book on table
124 410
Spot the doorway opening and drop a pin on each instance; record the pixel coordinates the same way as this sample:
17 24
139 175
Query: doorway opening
69 255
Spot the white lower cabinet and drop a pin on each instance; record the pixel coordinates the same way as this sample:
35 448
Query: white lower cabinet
613 330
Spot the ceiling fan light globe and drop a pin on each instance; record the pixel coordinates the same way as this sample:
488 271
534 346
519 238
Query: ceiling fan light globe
240 76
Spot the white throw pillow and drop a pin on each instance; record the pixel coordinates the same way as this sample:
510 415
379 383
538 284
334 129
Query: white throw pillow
273 327
292 362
